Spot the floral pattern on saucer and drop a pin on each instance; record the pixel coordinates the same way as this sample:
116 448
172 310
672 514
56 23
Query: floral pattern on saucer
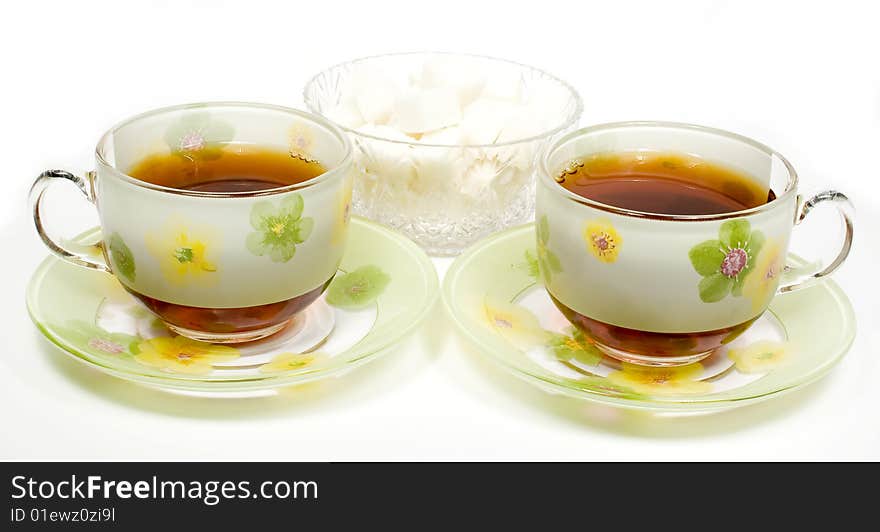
124 326
358 288
508 314
91 317
178 354
552 343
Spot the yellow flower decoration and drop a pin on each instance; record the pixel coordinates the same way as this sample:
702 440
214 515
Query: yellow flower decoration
301 140
661 381
343 215
602 239
292 361
182 355
575 346
515 323
760 285
183 253
760 357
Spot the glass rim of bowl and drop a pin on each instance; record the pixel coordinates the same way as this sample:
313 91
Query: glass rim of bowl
547 177
317 118
570 119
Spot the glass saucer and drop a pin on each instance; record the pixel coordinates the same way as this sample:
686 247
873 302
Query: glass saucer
494 296
92 318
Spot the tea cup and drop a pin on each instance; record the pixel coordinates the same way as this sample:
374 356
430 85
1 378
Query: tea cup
220 267
668 289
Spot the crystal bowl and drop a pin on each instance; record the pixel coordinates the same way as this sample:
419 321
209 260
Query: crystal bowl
449 187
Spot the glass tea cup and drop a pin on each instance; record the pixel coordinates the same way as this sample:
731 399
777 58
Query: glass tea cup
668 289
221 267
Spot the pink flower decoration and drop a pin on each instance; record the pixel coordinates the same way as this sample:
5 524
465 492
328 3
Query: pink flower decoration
734 262
192 141
106 345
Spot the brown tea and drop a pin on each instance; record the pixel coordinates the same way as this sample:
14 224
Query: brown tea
230 321
663 183
659 183
233 168
644 344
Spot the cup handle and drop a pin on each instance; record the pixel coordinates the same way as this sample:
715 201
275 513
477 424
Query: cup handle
82 255
797 278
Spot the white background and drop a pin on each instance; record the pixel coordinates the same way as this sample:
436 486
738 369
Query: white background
803 78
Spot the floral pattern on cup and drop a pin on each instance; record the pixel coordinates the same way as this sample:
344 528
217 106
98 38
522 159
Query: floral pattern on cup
358 288
179 354
292 362
343 216
548 262
516 324
726 262
760 357
96 340
760 286
602 239
198 136
121 257
279 229
682 380
574 346
301 140
184 252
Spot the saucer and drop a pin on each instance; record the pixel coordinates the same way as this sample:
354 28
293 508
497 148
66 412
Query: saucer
92 318
494 296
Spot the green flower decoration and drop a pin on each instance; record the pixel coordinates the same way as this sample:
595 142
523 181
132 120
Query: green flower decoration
278 229
123 260
198 135
547 261
357 289
574 346
531 265
97 341
601 385
725 263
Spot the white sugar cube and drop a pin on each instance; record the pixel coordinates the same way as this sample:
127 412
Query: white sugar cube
387 161
384 131
433 112
374 93
423 110
478 177
465 76
437 169
346 114
524 124
505 84
511 177
521 127
484 119
450 136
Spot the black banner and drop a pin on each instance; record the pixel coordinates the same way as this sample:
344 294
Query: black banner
248 496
